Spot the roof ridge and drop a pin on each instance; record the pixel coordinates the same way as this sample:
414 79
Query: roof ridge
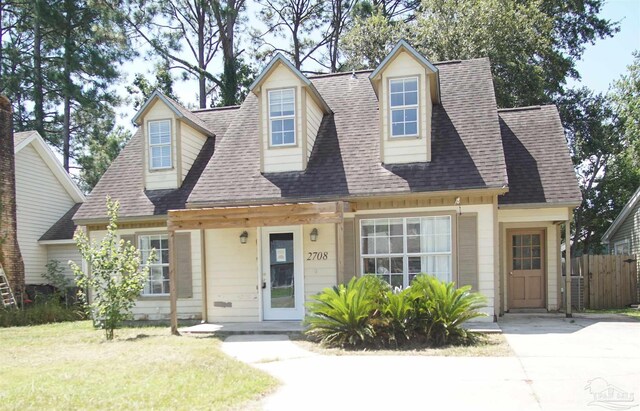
204 110
341 73
525 108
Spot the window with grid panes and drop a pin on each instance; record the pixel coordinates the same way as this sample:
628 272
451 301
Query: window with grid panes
158 281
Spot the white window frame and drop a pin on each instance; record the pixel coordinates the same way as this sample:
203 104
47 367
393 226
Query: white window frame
622 243
410 106
405 255
287 117
148 290
160 145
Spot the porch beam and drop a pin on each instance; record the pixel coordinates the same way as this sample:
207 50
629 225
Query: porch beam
273 210
567 265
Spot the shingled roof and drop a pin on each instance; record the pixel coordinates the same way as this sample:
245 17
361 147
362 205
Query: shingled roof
538 160
124 178
467 140
64 228
345 161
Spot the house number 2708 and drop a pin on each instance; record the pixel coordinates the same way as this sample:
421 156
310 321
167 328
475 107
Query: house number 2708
317 255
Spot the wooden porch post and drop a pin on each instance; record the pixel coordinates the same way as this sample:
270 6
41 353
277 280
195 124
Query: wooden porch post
340 252
567 264
173 290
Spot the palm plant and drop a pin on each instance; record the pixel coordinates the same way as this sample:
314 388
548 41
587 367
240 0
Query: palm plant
441 309
343 315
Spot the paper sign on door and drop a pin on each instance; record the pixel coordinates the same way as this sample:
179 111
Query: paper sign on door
281 255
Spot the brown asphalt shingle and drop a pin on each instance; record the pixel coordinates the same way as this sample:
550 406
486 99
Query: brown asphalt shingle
123 180
345 162
64 228
538 160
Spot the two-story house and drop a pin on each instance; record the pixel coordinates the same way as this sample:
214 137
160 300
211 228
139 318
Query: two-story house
406 169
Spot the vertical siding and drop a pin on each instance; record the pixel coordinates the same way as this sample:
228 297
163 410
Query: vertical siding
157 308
63 253
319 274
629 230
192 142
282 158
40 201
232 269
410 149
314 118
160 179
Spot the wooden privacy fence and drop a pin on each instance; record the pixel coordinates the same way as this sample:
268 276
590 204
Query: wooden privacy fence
610 281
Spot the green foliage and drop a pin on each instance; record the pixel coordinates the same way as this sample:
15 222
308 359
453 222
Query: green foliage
367 313
440 309
49 311
102 149
116 278
342 316
55 277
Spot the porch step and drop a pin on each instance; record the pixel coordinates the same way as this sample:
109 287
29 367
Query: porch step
264 327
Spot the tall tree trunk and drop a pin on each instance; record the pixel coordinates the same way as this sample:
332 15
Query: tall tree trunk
38 82
67 84
202 79
226 17
10 256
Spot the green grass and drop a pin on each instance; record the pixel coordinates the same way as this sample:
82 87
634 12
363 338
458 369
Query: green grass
70 366
631 312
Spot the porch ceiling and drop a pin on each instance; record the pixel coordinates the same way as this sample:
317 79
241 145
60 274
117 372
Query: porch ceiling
258 215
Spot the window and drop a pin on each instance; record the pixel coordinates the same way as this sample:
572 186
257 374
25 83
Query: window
158 281
160 144
403 98
526 252
397 249
621 247
282 117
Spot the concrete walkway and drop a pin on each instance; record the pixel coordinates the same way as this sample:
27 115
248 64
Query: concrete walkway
555 360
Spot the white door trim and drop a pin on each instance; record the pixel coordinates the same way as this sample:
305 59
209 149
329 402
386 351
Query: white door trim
296 313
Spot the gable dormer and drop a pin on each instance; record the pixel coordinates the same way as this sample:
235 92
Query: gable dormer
173 137
291 110
407 86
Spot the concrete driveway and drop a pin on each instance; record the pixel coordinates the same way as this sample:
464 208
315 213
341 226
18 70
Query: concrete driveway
555 359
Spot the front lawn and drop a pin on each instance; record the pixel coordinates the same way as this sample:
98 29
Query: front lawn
630 312
70 366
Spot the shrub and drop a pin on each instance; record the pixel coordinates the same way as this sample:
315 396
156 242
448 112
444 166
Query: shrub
366 312
441 309
50 311
117 276
342 316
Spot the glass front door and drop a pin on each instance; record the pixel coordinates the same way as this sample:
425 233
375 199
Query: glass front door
282 274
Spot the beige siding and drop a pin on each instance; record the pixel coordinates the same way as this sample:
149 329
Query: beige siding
410 149
282 158
191 143
157 308
63 253
319 274
160 179
314 118
232 275
40 201
485 232
534 218
629 230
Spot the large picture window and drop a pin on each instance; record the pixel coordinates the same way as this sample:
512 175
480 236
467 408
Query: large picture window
282 116
160 144
158 281
403 98
397 249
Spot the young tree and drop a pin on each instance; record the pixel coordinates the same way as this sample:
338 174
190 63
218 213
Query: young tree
116 278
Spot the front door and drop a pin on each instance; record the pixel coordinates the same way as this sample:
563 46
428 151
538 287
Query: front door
282 278
525 275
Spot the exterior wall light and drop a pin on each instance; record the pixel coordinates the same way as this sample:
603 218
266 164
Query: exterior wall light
243 237
314 234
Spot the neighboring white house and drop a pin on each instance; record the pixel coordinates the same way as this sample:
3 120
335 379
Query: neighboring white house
46 200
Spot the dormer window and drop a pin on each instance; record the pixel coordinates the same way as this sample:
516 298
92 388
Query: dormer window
403 99
282 117
160 144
